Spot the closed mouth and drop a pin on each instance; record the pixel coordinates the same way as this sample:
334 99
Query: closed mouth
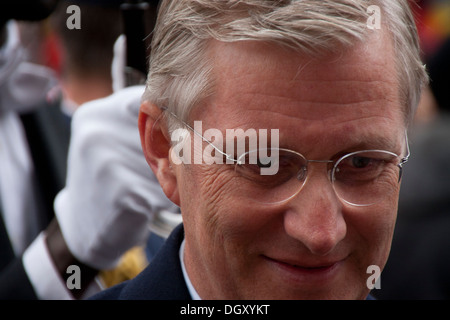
320 272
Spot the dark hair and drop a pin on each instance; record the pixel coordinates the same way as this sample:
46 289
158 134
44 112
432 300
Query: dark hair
88 50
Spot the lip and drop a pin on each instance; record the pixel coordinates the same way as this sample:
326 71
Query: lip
317 273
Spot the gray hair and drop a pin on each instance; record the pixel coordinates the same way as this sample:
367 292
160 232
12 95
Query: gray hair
180 75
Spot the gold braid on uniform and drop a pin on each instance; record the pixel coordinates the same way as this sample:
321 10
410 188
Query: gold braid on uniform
132 262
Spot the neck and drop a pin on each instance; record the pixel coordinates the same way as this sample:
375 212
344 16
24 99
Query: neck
81 90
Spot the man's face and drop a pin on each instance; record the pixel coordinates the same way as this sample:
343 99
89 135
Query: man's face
313 246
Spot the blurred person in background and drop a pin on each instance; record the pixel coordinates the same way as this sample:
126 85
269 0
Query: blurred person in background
36 141
23 87
86 54
41 272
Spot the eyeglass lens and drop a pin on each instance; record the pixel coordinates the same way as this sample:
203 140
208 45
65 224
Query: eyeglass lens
360 178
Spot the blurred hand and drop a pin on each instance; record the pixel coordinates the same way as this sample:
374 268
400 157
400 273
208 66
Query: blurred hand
111 194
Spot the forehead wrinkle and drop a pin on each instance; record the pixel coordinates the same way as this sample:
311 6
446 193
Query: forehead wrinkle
319 104
304 115
348 136
263 88
345 90
308 110
308 71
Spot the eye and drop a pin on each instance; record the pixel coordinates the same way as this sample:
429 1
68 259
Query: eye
357 165
361 162
364 166
249 165
286 165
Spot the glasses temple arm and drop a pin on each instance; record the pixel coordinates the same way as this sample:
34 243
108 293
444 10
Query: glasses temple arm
198 134
408 151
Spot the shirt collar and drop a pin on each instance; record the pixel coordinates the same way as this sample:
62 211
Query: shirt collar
191 289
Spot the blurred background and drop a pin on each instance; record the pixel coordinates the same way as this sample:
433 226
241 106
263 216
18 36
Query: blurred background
419 264
56 55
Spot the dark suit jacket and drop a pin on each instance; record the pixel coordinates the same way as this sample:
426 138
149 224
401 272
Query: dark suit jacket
14 282
161 280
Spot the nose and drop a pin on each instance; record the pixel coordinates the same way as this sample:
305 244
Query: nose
315 215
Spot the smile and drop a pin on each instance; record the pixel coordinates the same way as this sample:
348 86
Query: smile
316 274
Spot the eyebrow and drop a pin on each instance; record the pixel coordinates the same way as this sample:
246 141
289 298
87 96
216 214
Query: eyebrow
375 142
352 143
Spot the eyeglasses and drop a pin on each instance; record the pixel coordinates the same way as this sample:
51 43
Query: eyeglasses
360 178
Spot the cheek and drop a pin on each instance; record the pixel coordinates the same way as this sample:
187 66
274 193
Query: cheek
373 230
204 193
211 207
216 224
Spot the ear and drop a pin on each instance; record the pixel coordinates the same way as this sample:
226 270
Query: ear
156 145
